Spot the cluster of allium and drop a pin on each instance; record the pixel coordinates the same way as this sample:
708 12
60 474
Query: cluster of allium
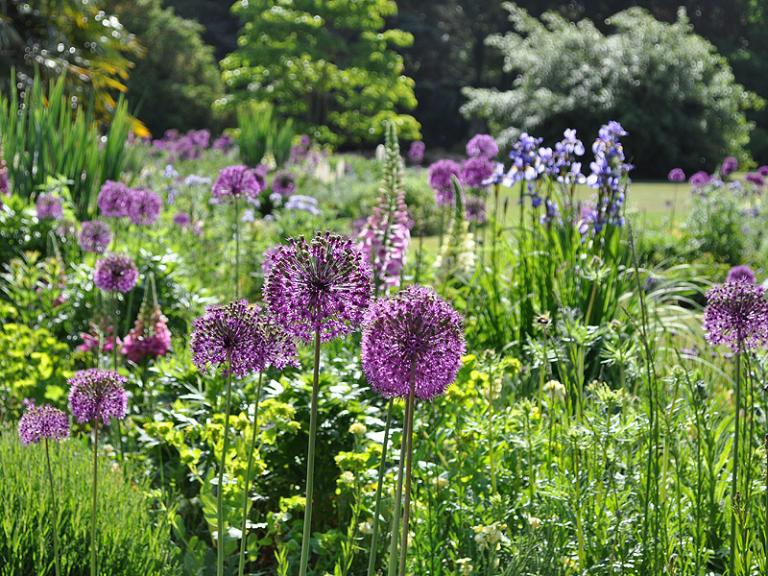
284 183
97 395
321 286
525 160
608 173
49 207
741 274
115 273
729 165
300 150
414 338
187 146
236 182
43 422
440 180
676 175
95 236
476 171
416 152
482 146
223 143
737 315
144 206
384 239
149 337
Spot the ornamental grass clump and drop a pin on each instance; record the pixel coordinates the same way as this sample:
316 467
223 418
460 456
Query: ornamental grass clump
412 347
317 290
95 397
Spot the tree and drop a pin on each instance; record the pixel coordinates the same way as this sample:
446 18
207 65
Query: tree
667 86
328 65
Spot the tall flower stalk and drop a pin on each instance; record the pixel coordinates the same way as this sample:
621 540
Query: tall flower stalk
379 489
318 291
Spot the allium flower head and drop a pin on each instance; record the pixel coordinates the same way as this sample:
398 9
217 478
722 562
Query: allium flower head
49 207
323 285
482 146
97 395
741 274
440 174
284 183
416 152
144 206
113 200
95 236
279 345
755 178
413 335
700 179
234 182
40 422
475 208
737 315
115 273
182 219
729 166
676 175
763 171
477 171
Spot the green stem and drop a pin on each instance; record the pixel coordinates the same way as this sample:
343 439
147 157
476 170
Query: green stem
408 466
310 462
94 571
237 248
115 325
396 504
54 503
220 529
735 471
379 486
251 448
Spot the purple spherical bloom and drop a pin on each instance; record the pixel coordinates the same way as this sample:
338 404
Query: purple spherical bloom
413 338
49 207
736 315
97 394
321 286
482 146
279 346
729 166
115 273
763 171
755 178
676 175
440 175
475 209
182 219
144 206
741 274
234 182
95 236
43 422
224 142
476 171
416 152
284 184
114 199
700 179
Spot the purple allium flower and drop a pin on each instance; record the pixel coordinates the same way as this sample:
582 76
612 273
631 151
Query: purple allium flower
284 183
115 273
144 206
700 179
736 315
763 171
416 152
440 174
482 146
40 422
476 171
95 236
755 178
279 346
114 199
224 143
729 166
49 207
741 274
182 219
413 335
319 286
97 394
676 175
234 182
475 209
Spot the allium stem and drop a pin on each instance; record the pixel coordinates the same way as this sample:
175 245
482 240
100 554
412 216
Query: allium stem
220 485
55 506
735 471
115 324
251 448
397 503
94 570
379 486
408 466
237 248
310 461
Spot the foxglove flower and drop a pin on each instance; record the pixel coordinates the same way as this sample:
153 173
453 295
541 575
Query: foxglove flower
95 236
97 395
413 337
144 206
737 315
741 274
114 199
476 171
440 174
284 184
235 182
676 175
320 286
416 152
149 337
49 207
43 422
115 273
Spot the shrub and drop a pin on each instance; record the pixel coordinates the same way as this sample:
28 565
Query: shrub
260 132
667 86
132 541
